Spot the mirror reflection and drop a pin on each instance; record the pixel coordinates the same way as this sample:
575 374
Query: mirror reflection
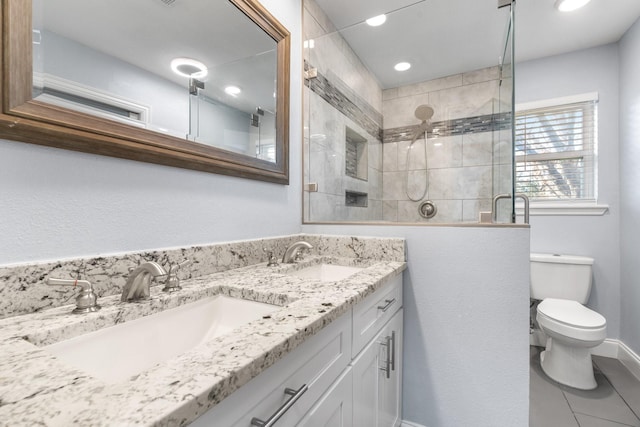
185 68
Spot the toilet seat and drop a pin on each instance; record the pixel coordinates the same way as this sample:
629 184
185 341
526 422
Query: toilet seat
571 313
571 319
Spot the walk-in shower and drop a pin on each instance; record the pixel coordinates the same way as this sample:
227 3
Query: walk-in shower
365 157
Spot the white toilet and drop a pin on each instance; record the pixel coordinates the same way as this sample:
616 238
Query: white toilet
563 283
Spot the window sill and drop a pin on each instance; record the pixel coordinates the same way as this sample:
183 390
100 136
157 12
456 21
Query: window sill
563 209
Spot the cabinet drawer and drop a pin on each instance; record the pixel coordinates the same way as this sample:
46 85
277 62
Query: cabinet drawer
371 314
316 363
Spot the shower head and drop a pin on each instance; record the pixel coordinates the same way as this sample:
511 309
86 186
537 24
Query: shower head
424 112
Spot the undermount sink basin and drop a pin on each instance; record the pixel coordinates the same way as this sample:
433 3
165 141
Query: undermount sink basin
326 272
118 352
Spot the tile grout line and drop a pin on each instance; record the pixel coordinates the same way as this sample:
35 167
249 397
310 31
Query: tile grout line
573 413
623 423
616 390
603 419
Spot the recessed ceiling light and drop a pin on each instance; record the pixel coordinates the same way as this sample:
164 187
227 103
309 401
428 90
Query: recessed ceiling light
569 5
377 20
402 66
187 67
232 90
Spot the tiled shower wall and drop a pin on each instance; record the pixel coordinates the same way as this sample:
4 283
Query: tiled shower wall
343 95
468 153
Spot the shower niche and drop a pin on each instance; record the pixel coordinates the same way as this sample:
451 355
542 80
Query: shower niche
356 155
356 199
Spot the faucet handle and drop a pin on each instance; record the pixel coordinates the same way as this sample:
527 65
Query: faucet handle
172 283
271 258
86 301
300 254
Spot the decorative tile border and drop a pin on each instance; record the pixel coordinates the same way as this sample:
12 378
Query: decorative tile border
335 95
367 109
465 125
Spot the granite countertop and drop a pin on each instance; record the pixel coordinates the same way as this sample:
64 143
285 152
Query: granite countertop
38 389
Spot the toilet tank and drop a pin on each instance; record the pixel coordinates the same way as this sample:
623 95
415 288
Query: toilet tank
561 276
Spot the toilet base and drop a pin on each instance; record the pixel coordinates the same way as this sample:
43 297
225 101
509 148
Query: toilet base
568 365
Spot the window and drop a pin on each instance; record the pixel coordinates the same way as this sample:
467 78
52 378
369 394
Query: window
69 94
555 149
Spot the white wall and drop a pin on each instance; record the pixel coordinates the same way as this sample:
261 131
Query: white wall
629 179
70 60
62 204
223 126
591 70
466 340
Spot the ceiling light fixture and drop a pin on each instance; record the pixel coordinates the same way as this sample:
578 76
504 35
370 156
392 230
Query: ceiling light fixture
402 66
232 90
570 5
377 20
187 67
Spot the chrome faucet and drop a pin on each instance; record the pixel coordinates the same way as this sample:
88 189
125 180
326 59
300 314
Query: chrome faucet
291 252
139 281
86 301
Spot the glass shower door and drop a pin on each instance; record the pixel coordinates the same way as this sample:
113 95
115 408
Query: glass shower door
503 209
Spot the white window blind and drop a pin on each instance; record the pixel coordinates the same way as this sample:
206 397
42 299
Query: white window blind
556 151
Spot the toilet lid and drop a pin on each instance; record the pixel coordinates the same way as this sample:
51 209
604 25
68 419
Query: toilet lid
571 313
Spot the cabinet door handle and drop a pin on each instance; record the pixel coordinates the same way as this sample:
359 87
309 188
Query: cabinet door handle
393 350
295 395
389 303
387 363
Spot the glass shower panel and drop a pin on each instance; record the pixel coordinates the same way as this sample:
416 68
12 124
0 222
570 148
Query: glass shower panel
342 129
441 151
217 124
234 109
503 174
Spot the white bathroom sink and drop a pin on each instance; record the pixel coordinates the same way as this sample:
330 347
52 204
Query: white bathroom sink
326 272
118 352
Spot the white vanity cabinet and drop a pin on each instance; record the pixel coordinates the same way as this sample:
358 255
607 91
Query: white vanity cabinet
326 382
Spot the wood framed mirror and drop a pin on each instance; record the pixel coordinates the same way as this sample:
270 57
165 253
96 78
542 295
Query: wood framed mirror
31 118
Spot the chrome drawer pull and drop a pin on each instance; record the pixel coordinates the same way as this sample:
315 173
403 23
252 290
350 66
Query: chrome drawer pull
393 350
295 395
387 362
389 303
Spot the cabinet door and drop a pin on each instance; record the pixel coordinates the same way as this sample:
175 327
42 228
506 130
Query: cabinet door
335 407
377 378
367 378
391 388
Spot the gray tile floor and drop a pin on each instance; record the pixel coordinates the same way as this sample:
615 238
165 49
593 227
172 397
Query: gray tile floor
614 403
